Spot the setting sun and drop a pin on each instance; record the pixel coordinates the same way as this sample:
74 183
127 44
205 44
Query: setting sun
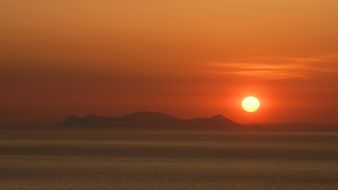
251 104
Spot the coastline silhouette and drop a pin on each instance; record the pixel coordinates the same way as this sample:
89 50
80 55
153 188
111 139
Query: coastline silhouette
157 120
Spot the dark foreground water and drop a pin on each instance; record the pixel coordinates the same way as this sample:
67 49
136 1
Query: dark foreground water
59 159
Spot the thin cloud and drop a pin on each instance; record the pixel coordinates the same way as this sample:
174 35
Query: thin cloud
278 68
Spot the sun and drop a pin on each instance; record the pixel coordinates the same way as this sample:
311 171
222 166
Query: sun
251 104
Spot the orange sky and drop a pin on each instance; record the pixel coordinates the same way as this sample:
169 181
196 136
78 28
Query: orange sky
182 57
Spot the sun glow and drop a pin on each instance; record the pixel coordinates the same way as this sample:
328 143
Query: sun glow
251 104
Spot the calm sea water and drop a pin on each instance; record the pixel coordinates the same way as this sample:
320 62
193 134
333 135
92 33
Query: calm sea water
39 159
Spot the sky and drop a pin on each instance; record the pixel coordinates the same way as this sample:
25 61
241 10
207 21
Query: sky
186 58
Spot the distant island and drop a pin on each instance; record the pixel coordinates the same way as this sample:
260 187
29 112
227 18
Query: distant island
161 121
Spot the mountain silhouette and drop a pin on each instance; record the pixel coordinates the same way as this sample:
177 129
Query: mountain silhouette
156 120
147 119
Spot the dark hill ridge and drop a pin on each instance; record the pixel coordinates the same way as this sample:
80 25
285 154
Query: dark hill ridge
155 120
150 120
